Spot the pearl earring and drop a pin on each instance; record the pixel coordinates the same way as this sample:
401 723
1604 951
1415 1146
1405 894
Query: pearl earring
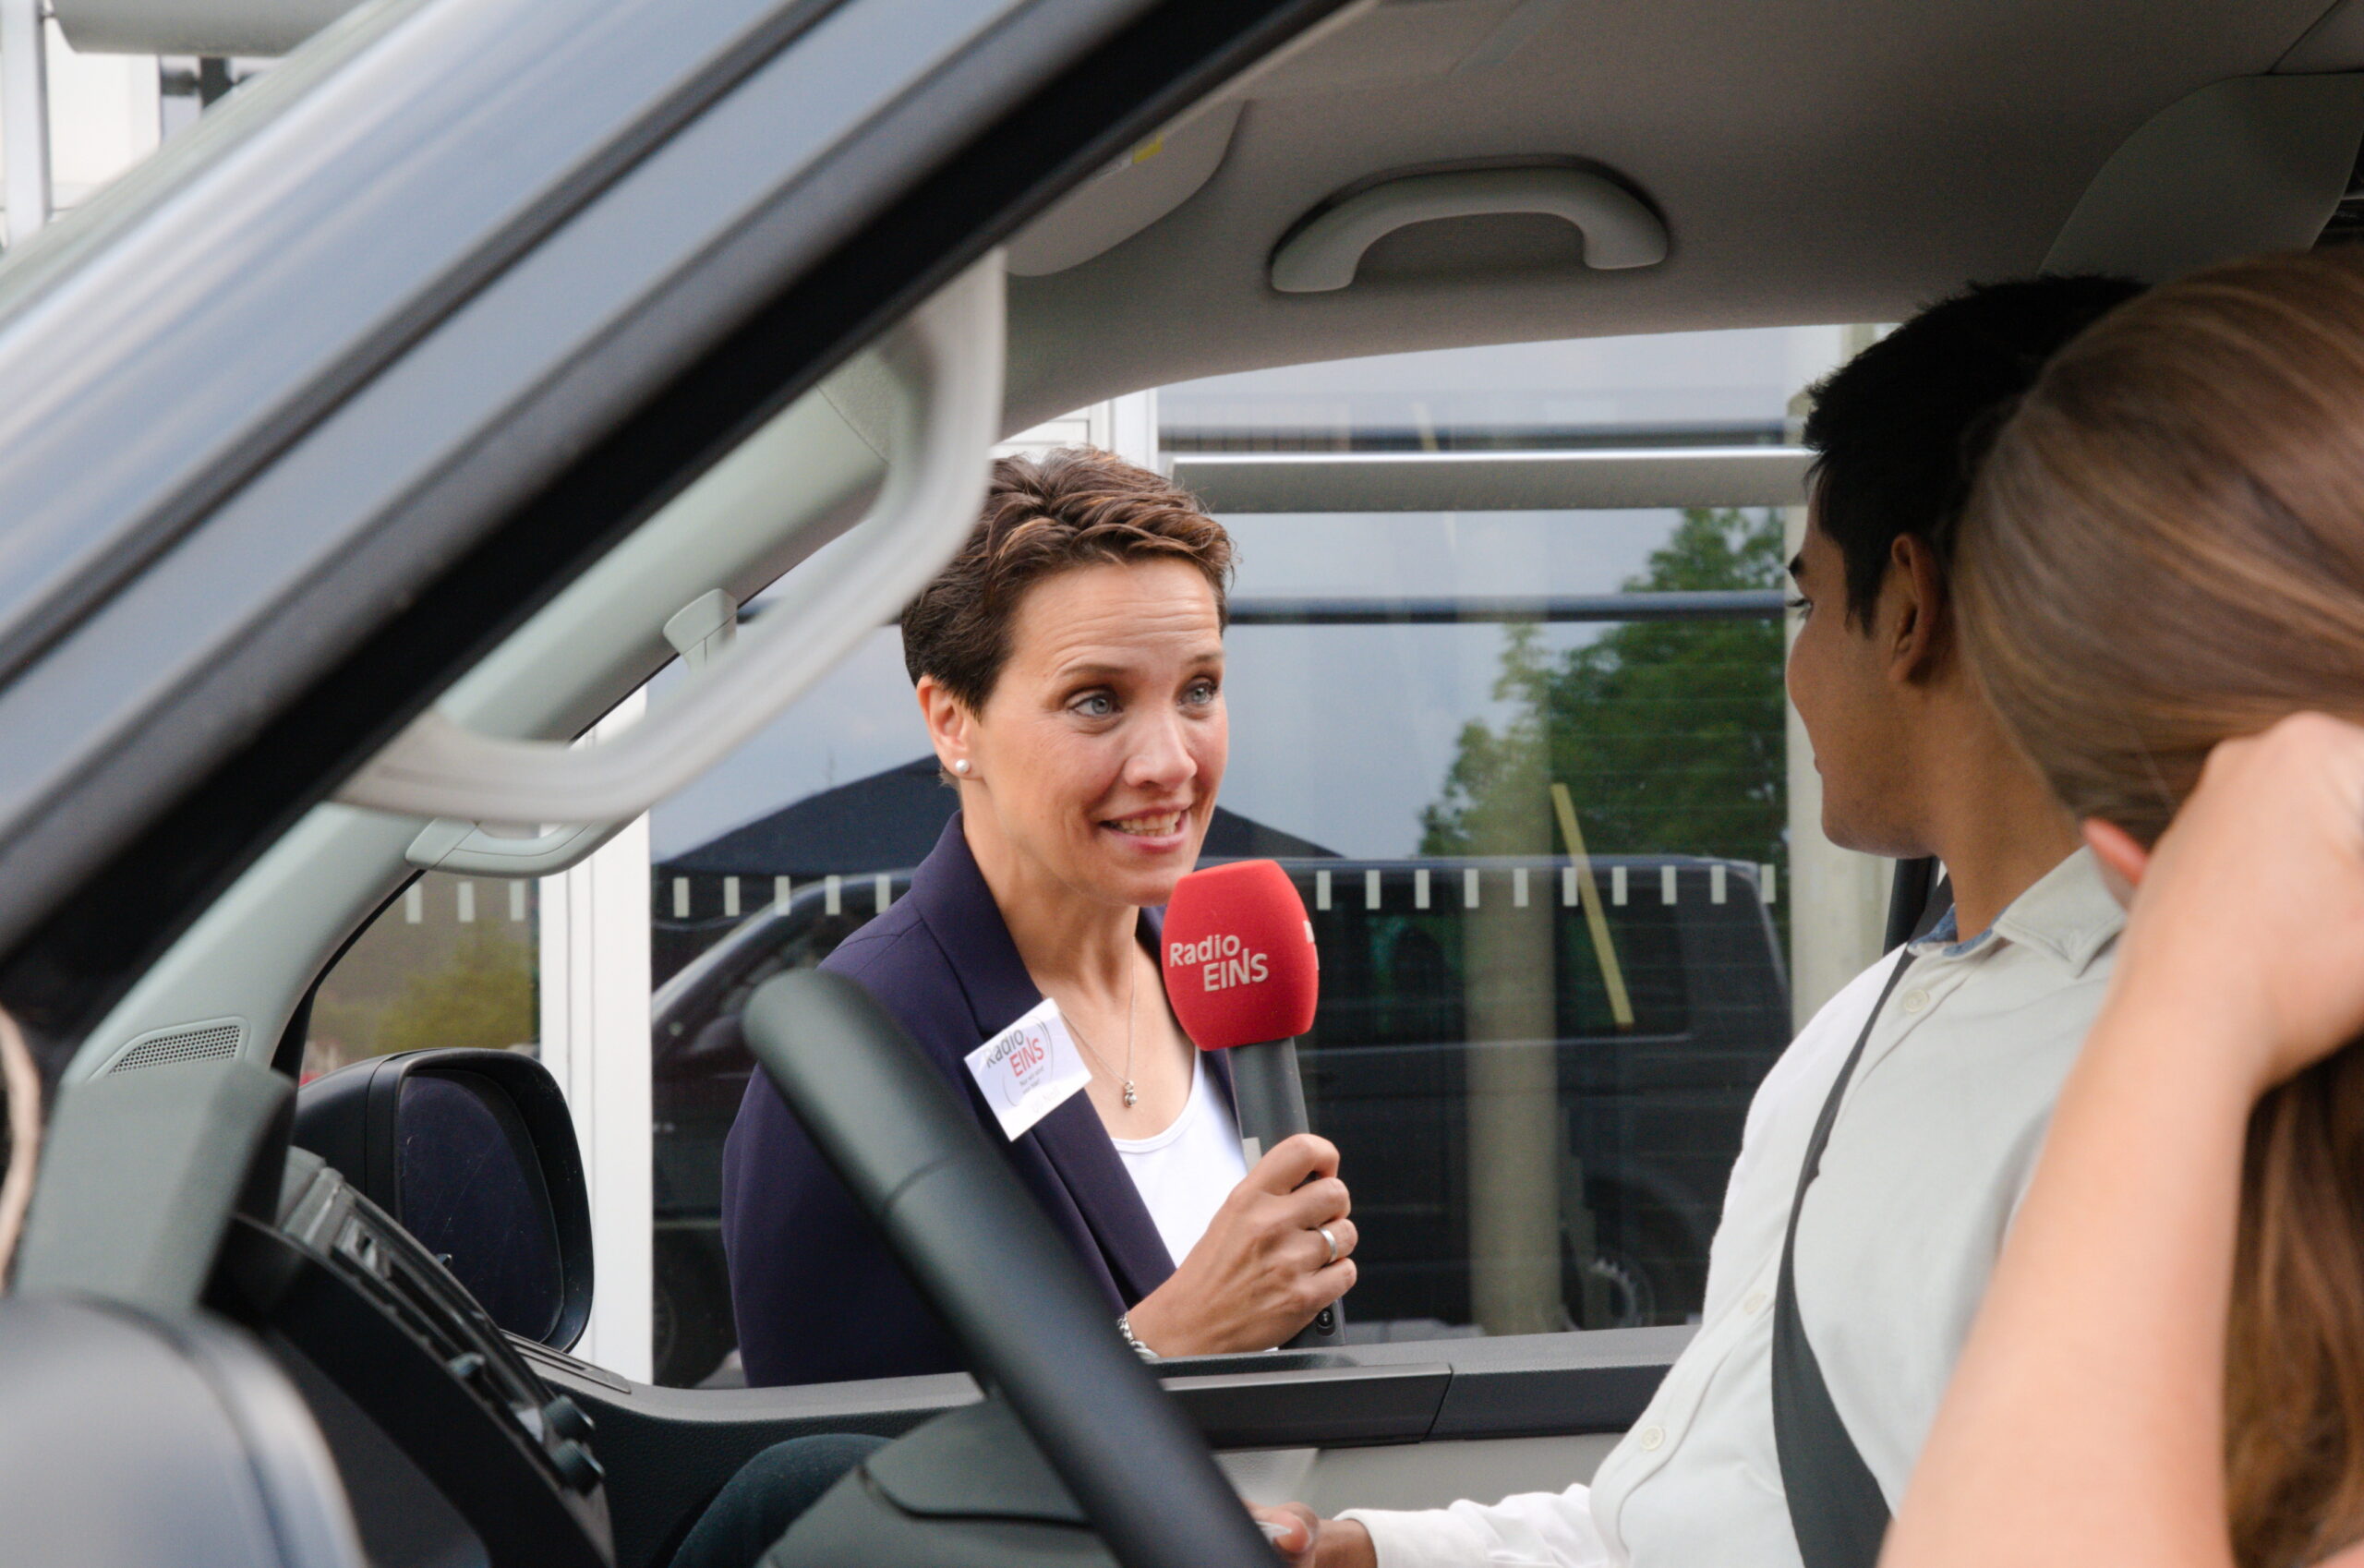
960 767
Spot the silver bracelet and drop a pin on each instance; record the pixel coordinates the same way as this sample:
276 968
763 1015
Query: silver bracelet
1125 1327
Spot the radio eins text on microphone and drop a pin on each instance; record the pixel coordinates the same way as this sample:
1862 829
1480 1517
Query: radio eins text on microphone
1225 961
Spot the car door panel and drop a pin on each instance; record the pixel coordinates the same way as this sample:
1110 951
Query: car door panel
1427 1475
1448 1407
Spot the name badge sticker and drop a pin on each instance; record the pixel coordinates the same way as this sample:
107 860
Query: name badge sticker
1028 1070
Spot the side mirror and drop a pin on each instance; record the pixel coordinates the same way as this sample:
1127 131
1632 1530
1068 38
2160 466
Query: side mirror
474 1153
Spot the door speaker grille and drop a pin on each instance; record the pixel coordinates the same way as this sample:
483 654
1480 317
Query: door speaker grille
188 1042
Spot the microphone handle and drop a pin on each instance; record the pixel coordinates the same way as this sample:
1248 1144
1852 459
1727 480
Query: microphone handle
1271 1097
1272 1107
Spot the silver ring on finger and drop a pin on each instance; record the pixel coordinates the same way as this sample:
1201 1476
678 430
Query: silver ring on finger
1330 1237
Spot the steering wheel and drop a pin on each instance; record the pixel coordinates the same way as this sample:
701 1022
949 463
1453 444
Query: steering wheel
1027 1320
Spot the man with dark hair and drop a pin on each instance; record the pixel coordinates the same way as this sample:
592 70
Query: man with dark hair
1912 761
1899 430
1886 1151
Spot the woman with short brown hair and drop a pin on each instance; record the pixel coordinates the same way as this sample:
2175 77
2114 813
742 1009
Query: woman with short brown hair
2163 589
1068 665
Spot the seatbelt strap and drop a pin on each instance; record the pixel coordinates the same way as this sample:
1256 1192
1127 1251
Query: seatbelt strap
1834 1502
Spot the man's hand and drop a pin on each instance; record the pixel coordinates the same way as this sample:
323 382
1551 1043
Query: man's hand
1305 1539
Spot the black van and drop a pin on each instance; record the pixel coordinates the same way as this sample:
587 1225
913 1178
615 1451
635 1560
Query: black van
1648 1109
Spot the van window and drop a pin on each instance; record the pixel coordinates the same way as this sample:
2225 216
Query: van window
1536 1060
450 962
1529 765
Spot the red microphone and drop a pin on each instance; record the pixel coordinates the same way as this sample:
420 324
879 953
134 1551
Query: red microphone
1241 973
1242 976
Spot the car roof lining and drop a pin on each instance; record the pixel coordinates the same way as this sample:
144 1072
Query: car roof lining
1812 169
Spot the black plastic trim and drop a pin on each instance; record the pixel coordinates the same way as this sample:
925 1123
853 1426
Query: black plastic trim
453 1414
1330 1407
351 1119
1546 1401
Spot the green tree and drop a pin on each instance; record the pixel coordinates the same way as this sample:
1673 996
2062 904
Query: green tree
1668 733
483 996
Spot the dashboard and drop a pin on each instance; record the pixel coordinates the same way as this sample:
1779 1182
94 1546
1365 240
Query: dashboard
414 1383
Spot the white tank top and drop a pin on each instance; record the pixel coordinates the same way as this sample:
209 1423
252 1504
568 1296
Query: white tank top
1185 1172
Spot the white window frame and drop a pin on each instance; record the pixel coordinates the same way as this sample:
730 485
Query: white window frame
594 983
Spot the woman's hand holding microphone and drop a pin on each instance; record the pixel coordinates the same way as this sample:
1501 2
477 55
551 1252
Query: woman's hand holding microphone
1263 1268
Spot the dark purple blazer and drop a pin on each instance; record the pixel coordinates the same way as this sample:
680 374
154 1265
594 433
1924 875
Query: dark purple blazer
818 1296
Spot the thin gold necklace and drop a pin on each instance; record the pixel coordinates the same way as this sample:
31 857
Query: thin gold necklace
1132 988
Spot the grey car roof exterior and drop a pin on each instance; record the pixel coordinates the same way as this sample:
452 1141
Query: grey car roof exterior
263 404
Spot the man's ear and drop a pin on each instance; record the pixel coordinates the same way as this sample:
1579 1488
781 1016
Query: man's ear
949 722
1920 632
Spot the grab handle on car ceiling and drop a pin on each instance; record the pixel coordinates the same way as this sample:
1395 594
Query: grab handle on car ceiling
470 849
701 632
947 360
1618 229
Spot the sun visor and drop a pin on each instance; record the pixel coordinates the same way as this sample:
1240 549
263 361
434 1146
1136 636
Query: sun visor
1157 176
2251 165
1142 185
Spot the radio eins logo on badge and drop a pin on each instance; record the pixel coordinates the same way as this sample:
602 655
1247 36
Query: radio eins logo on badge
1016 1062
